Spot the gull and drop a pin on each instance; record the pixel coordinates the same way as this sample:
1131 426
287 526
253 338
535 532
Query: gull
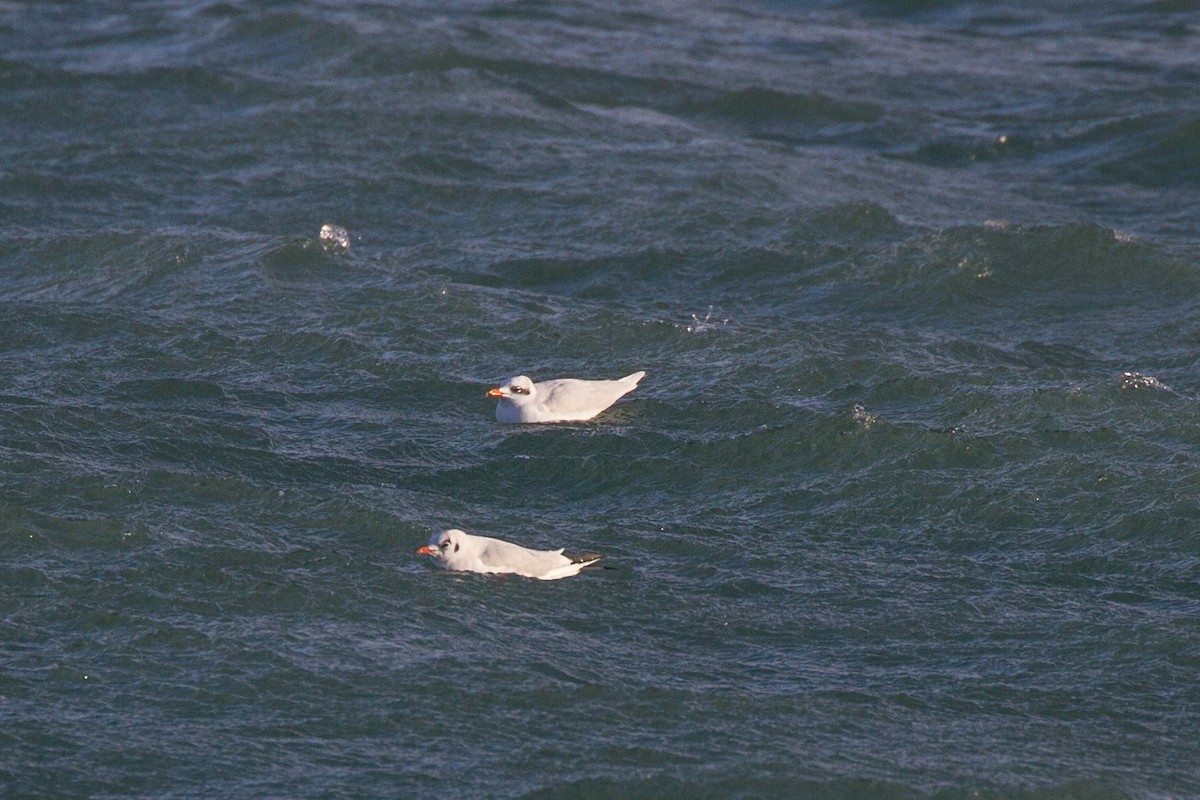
456 550
561 400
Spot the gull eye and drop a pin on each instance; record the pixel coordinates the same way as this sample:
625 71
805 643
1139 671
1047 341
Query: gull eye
444 545
519 390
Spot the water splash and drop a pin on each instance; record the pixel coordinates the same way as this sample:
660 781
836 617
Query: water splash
334 238
709 323
863 417
1136 380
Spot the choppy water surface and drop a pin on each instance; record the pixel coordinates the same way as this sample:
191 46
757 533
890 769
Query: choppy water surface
906 506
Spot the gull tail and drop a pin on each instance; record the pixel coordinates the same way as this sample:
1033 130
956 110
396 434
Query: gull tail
572 567
585 559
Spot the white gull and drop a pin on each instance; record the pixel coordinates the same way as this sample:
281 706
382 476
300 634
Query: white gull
456 550
560 400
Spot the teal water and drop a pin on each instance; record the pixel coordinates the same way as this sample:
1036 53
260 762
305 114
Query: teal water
906 506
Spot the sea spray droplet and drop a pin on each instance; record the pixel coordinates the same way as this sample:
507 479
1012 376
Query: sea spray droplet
334 237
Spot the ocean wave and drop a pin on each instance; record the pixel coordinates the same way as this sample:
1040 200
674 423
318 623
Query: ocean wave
756 784
125 265
858 258
756 104
1161 150
593 278
762 110
1059 265
964 151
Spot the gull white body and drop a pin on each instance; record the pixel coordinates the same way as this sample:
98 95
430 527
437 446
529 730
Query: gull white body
455 550
561 400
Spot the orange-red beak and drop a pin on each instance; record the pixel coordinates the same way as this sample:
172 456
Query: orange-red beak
425 550
495 392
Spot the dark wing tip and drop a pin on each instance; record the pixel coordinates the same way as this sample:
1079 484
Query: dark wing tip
585 558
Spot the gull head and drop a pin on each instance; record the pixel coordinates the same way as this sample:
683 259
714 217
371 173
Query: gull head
518 389
445 546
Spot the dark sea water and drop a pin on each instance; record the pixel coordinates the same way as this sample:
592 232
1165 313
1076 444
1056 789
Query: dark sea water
907 506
